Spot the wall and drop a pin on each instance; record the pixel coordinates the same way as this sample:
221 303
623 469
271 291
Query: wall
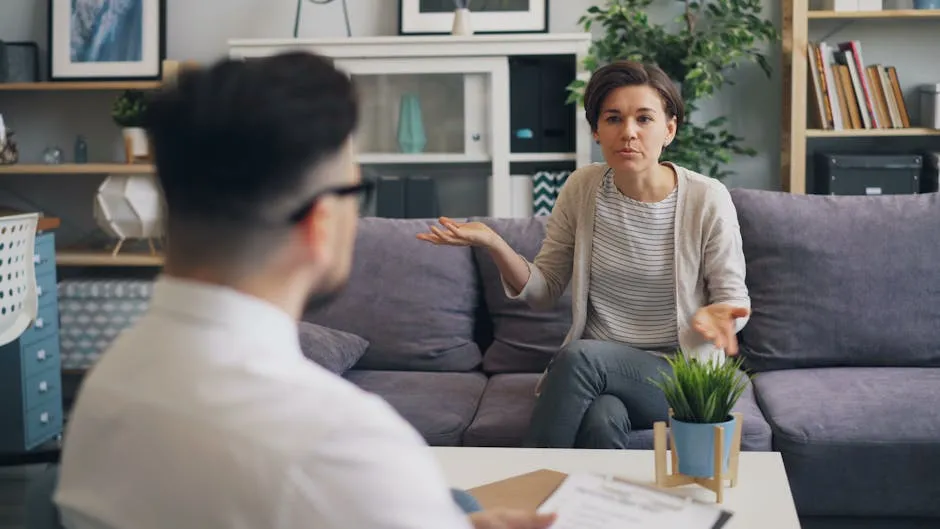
199 30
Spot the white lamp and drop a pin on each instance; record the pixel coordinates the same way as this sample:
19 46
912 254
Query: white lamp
130 207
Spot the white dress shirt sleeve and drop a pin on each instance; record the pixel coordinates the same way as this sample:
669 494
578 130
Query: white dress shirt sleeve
374 472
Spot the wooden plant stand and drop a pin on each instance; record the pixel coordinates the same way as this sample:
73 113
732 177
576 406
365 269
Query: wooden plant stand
120 243
670 477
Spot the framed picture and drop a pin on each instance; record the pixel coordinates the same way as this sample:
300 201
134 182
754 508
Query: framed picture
434 17
106 40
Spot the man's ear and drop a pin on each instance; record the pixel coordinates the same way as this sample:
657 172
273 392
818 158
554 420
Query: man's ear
314 229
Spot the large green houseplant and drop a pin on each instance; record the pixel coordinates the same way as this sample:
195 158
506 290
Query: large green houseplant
710 39
702 395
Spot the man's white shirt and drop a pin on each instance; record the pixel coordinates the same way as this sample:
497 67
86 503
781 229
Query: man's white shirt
206 415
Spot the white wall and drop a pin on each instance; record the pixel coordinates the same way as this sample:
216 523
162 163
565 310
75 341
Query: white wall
199 29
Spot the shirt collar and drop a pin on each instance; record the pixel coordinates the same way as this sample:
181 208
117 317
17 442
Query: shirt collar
223 307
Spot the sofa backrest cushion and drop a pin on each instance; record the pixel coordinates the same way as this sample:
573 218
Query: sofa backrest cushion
413 302
840 280
524 340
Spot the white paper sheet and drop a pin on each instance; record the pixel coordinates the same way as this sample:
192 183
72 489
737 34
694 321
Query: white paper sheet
592 501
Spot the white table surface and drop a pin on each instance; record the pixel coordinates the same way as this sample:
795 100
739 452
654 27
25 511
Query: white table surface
761 498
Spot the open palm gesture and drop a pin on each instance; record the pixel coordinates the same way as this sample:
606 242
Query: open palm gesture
716 323
459 234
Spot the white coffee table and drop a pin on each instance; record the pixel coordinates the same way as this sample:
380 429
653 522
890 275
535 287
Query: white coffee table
761 499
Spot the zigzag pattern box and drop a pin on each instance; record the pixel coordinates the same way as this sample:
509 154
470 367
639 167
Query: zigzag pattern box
545 188
92 312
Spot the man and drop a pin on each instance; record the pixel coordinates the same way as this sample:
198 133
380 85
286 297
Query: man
206 415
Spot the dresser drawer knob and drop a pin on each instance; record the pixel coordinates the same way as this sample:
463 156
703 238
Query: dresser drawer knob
41 355
43 386
39 323
44 417
38 290
36 259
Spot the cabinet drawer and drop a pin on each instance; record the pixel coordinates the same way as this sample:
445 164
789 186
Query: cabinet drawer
43 422
46 291
44 253
40 356
42 387
46 324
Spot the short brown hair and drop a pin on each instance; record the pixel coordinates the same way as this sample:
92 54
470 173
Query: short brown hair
630 73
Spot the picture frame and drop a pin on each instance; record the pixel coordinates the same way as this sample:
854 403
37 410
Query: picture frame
436 17
122 40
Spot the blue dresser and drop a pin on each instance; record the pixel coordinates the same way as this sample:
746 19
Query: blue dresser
30 367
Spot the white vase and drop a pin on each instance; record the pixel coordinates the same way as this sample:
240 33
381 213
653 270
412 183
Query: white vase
136 144
462 25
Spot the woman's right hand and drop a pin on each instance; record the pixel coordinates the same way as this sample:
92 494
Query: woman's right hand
460 234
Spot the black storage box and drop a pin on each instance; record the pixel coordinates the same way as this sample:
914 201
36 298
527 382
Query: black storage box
930 182
854 174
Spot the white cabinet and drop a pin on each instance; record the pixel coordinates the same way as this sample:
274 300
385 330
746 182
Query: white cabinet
442 101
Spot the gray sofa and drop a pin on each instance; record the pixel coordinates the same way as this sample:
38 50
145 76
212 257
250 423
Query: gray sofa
844 340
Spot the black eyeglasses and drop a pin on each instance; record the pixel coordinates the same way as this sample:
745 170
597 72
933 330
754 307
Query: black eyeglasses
363 189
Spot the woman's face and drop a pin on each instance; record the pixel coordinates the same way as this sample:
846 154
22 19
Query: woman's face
633 129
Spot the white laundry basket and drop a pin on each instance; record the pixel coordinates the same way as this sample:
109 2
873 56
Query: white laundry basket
18 301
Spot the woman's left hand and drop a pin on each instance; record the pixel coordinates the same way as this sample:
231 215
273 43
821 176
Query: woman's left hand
716 324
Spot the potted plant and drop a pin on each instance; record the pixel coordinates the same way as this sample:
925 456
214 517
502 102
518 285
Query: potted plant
127 112
710 39
701 395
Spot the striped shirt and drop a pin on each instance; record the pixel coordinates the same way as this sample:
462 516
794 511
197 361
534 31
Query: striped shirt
632 286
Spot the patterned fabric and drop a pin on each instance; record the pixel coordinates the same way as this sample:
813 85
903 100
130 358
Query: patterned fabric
545 188
92 313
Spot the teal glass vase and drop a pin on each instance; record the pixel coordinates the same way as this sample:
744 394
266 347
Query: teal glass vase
411 136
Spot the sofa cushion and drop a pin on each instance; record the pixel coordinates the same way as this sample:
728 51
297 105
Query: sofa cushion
438 405
524 340
509 399
857 441
504 413
335 350
413 301
840 280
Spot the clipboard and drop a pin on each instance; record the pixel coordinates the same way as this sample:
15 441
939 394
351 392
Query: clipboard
532 490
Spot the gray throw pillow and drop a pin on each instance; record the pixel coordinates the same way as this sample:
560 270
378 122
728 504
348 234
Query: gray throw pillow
335 350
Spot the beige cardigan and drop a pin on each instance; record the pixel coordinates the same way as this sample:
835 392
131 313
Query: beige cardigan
709 261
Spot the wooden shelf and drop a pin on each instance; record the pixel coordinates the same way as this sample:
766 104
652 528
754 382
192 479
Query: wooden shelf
886 14
104 258
860 133
77 168
420 158
51 86
539 157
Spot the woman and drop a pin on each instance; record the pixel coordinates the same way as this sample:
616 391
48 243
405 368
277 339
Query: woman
654 253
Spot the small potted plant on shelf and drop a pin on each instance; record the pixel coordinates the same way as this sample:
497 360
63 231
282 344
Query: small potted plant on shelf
702 395
127 112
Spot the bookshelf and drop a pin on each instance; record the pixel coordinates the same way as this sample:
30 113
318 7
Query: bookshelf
92 256
800 122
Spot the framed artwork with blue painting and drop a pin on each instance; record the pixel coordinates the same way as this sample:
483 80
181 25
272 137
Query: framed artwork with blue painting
106 40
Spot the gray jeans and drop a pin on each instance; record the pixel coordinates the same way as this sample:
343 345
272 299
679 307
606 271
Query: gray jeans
594 394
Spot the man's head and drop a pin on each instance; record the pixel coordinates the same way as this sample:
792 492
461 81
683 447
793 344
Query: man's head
257 166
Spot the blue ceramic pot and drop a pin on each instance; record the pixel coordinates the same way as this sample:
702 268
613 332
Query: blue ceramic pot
695 446
926 4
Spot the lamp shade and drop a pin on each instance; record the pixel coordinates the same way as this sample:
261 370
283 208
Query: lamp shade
130 207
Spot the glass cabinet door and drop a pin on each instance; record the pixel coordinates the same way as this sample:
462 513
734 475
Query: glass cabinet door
422 110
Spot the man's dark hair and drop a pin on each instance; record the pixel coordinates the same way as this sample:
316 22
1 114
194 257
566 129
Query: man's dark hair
236 146
630 73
